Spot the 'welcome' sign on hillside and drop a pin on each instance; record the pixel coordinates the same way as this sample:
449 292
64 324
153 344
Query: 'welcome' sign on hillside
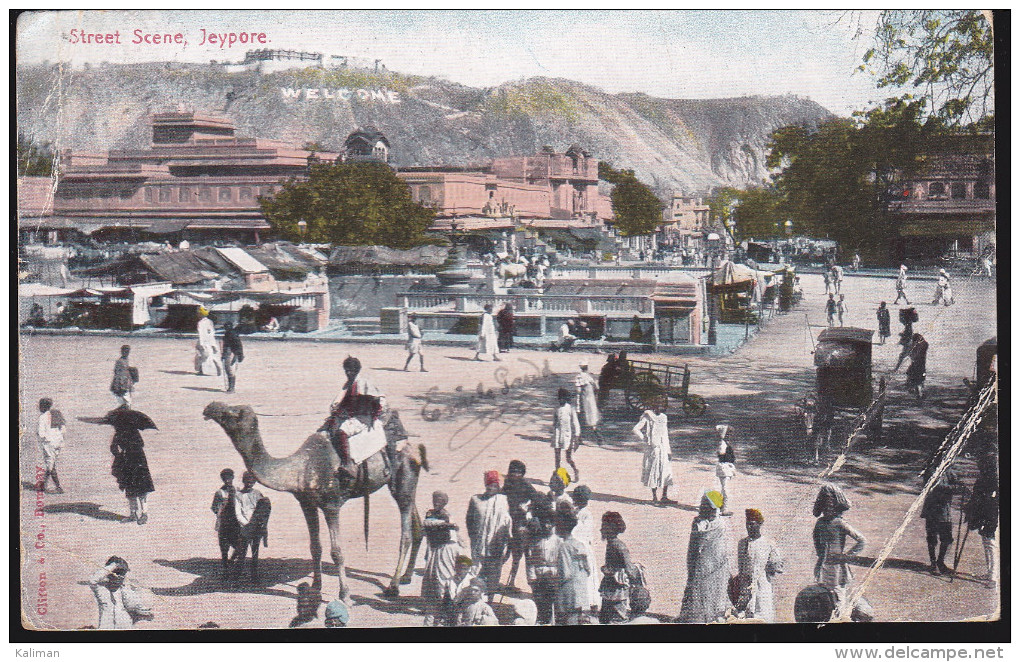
342 93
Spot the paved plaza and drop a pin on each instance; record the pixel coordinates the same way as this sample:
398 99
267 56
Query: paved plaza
470 424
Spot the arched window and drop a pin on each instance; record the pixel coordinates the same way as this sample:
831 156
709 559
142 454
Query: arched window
225 194
246 193
165 194
982 190
150 194
205 194
184 194
936 190
425 195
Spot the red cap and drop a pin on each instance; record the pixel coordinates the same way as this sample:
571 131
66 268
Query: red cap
491 478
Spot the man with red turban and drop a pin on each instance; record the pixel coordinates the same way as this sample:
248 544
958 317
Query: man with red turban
488 526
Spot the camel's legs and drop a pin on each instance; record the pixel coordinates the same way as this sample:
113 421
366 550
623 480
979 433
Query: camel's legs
416 536
312 521
333 524
405 546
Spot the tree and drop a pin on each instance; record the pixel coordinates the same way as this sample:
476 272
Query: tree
757 213
34 160
349 204
636 209
944 55
837 182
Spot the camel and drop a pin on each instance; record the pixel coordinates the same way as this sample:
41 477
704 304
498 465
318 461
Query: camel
310 474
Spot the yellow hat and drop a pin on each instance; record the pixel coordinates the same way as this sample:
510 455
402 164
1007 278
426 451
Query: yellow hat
715 497
564 476
203 311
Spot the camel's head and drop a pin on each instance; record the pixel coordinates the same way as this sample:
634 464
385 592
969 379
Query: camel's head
239 422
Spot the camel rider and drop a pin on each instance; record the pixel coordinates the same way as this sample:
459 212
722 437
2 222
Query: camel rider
363 402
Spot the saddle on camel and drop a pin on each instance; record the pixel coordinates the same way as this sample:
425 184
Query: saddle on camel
360 425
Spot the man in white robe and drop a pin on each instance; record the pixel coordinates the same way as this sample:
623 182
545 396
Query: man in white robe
207 354
587 399
488 341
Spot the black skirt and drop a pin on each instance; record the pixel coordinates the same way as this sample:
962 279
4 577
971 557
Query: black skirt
130 467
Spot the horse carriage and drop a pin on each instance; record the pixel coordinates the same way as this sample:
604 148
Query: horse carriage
843 385
645 383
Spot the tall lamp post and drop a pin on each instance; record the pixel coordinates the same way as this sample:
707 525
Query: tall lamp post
302 227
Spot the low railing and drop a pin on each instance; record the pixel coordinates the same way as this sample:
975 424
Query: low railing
527 303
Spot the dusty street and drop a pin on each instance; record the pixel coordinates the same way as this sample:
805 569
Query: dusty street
480 426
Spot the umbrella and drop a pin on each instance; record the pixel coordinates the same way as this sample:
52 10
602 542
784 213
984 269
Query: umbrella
123 418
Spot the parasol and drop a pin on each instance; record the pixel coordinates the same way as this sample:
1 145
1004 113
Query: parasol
123 418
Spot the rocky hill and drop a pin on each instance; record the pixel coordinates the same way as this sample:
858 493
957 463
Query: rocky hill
673 144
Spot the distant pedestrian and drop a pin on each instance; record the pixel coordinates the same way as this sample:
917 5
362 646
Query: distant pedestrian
884 323
907 318
414 343
837 278
588 401
507 327
938 520
856 262
50 432
901 286
841 308
706 596
827 278
233 355
488 526
120 604
918 367
487 341
758 561
617 572
725 468
830 310
656 469
943 290
566 430
124 377
983 510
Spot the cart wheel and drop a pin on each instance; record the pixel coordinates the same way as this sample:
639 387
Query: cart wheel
643 391
694 405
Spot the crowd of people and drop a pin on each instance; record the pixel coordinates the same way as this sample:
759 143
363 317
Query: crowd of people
552 531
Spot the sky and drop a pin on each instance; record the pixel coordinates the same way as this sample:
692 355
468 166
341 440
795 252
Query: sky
671 54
